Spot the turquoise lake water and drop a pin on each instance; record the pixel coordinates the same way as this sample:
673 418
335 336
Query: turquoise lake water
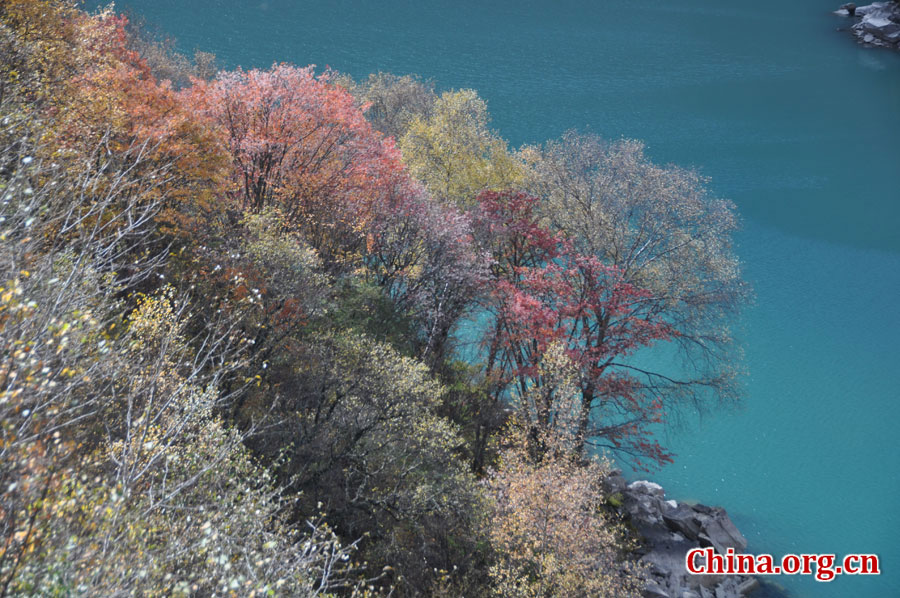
792 120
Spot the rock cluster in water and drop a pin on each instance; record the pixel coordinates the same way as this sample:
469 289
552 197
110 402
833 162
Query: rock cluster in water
669 530
878 25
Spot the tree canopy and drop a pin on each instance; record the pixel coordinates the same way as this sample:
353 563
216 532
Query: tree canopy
273 332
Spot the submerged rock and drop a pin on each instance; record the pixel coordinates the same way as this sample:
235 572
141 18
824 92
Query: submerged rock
669 530
879 23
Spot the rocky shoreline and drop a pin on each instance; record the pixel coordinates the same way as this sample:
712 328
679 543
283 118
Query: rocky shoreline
878 24
668 530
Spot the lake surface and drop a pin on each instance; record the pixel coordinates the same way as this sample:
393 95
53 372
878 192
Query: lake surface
789 118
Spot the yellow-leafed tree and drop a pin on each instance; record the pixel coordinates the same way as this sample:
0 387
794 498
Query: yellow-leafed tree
455 154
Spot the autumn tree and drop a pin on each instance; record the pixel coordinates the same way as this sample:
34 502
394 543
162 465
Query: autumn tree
110 441
424 255
301 144
76 75
454 153
550 533
43 47
507 227
125 482
229 306
357 430
160 54
605 322
548 289
663 233
392 102
348 423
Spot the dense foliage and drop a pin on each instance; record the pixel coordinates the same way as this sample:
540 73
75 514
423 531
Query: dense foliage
276 332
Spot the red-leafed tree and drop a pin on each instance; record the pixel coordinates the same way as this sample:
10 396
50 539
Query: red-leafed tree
545 293
602 321
302 144
507 228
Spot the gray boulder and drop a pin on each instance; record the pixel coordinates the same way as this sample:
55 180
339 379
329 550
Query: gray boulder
720 532
683 519
879 24
644 504
654 590
669 530
614 482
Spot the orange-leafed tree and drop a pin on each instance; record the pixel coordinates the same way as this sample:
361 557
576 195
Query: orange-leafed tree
118 104
101 110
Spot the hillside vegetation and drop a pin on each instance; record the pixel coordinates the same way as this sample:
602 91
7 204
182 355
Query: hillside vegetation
281 333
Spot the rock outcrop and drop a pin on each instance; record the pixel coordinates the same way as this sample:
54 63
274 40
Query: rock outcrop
878 24
669 530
